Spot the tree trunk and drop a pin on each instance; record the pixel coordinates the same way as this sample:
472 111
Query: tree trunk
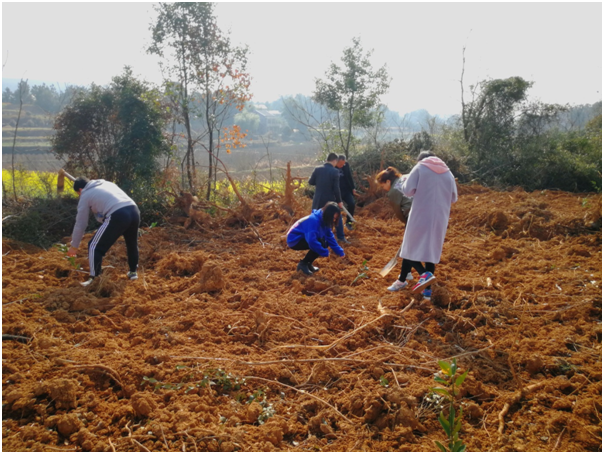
15 140
211 161
216 160
350 113
190 157
210 124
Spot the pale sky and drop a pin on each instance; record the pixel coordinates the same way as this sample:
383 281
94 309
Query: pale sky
558 46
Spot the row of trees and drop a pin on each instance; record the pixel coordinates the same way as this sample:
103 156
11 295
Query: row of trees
49 98
123 131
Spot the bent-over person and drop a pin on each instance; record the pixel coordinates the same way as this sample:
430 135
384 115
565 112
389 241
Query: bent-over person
118 215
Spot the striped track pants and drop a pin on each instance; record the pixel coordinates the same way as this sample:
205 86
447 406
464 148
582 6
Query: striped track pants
124 221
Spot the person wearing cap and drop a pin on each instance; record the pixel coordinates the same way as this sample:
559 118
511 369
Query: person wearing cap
118 215
433 188
348 191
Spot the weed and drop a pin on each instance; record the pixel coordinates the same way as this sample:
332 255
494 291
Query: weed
256 396
451 424
565 367
431 403
212 377
267 408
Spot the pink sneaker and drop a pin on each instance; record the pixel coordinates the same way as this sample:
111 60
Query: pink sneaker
425 280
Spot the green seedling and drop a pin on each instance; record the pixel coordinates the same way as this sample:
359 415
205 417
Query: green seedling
384 382
363 273
142 232
452 423
64 249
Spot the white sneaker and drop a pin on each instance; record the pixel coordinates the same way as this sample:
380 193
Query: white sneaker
132 275
87 283
409 277
398 285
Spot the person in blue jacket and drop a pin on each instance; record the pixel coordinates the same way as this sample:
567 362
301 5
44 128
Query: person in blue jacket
313 233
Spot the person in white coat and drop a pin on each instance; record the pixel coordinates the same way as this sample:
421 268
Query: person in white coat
433 188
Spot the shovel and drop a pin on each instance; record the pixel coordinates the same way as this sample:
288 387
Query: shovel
391 264
348 215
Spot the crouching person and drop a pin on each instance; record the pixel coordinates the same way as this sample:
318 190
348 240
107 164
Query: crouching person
119 216
314 234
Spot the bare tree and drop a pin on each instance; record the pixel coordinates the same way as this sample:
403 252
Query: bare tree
21 88
318 120
266 142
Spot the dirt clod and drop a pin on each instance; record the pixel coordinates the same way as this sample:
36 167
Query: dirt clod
211 278
142 404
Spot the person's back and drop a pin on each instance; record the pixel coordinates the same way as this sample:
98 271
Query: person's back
119 216
346 180
433 189
104 197
327 181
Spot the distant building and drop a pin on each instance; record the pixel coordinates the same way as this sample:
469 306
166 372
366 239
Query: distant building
270 121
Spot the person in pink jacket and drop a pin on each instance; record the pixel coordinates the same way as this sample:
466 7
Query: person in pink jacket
433 188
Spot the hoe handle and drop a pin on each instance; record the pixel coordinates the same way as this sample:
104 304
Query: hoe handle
61 180
65 174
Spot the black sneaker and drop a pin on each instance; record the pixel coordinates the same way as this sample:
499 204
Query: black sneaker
343 240
349 225
312 268
303 266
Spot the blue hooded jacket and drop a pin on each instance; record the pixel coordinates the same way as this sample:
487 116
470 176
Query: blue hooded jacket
312 229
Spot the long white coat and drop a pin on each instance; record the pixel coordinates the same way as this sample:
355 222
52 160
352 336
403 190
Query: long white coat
433 194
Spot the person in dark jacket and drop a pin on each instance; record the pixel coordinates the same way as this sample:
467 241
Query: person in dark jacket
327 181
118 215
313 233
348 191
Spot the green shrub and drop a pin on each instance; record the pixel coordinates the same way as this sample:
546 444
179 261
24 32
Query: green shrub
42 221
372 160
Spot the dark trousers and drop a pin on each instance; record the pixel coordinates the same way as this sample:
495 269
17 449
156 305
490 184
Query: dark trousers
348 199
310 257
421 269
124 221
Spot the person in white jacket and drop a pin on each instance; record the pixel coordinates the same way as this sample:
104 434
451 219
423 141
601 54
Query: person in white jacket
433 188
119 216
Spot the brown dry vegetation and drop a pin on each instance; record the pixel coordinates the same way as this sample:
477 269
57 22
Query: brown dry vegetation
222 346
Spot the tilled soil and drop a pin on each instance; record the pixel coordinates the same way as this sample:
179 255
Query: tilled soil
222 346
